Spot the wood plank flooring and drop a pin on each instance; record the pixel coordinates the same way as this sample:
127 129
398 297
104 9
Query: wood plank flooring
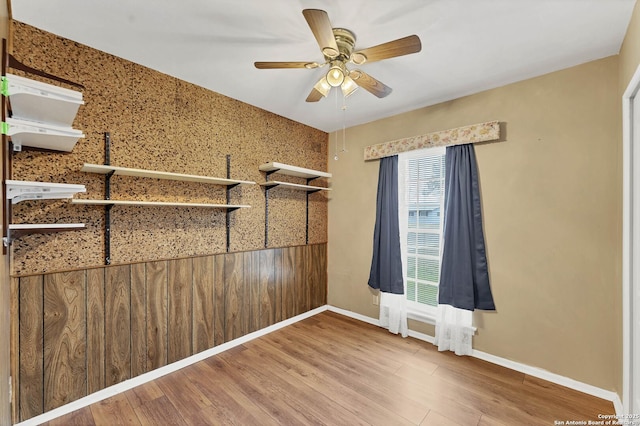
333 370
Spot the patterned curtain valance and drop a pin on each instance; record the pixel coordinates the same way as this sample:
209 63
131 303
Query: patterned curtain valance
481 132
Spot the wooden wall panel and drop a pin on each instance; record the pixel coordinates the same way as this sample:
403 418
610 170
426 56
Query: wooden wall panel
31 346
179 289
82 331
234 296
219 322
321 264
64 338
288 282
14 355
156 314
278 279
203 307
118 324
267 289
316 259
252 289
95 330
311 276
301 280
138 319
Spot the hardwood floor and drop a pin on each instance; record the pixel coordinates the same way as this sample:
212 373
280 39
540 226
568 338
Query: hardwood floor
330 369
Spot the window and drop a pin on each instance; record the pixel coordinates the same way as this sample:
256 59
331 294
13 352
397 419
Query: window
421 177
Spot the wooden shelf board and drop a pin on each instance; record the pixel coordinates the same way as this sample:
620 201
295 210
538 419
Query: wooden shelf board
124 171
287 169
155 203
294 186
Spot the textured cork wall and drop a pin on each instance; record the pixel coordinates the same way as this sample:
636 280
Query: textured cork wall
160 123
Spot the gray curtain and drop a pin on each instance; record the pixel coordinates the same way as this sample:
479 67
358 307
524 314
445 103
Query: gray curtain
386 264
464 275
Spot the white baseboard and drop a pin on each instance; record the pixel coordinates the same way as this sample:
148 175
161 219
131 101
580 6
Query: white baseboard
523 368
162 371
553 378
353 315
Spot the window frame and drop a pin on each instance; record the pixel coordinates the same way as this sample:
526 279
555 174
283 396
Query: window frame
415 310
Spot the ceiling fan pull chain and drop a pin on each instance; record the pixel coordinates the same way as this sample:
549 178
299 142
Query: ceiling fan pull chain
337 134
344 125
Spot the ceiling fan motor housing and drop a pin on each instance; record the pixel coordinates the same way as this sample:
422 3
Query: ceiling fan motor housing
346 40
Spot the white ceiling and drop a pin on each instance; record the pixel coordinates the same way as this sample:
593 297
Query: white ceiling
467 45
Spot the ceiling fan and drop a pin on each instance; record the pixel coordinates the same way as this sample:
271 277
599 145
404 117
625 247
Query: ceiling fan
338 47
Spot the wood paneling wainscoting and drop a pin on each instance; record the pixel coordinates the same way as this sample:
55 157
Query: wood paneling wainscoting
81 331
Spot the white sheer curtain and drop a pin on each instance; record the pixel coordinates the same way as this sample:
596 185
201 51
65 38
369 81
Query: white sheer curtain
454 330
393 313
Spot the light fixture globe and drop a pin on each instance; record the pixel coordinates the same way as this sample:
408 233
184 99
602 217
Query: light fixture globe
323 87
336 74
348 86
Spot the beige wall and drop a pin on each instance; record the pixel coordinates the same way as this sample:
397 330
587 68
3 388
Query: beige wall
629 62
630 51
551 200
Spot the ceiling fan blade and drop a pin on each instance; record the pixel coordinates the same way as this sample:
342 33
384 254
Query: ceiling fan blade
314 96
370 84
278 65
391 49
320 25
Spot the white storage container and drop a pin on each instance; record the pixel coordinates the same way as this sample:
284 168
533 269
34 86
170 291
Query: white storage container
36 101
41 135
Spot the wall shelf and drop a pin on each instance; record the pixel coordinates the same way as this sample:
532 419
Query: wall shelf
108 171
156 204
17 190
36 101
45 227
124 171
18 230
41 114
41 117
41 135
287 169
308 188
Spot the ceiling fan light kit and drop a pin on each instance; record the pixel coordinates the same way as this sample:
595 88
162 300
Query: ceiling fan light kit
323 86
337 46
336 73
348 86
